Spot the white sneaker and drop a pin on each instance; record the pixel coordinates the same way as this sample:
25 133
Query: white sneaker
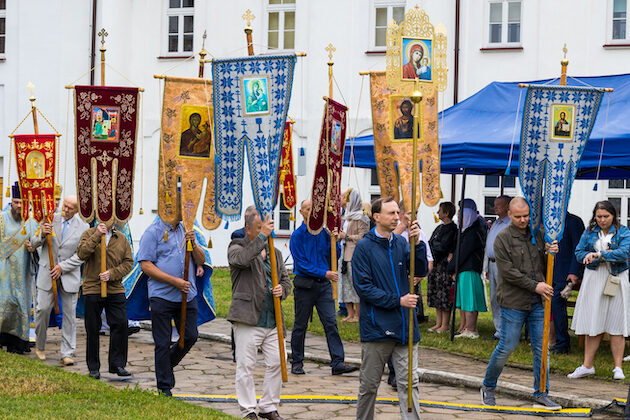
581 372
618 373
627 358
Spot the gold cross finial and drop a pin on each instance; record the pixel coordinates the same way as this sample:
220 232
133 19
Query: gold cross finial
331 49
564 50
203 42
30 87
248 17
103 33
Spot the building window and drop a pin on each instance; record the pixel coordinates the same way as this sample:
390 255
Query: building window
619 19
494 181
504 22
180 26
3 25
374 177
284 216
281 25
619 184
384 12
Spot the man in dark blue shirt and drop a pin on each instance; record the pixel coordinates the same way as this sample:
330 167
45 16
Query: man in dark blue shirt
312 288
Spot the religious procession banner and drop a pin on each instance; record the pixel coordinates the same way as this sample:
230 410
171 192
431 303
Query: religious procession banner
106 120
287 174
187 152
326 192
36 156
415 51
251 100
557 122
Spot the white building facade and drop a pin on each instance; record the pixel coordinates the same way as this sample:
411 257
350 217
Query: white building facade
51 44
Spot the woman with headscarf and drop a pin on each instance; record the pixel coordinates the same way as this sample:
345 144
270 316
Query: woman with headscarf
470 292
356 225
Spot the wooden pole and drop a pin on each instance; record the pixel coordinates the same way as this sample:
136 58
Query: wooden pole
550 262
416 98
103 33
460 223
277 309
333 238
182 318
51 259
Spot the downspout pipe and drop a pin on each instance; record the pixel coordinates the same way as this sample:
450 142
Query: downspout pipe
93 45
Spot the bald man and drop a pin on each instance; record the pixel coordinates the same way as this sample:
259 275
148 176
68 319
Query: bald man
66 273
521 291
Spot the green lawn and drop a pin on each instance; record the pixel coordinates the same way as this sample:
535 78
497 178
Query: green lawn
31 389
481 348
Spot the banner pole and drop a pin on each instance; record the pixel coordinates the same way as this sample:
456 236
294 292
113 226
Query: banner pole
416 98
182 318
333 238
103 33
460 224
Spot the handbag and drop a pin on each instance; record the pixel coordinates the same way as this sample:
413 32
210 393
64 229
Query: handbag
612 285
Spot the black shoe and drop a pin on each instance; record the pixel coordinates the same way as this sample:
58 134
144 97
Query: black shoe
94 374
561 350
272 415
297 370
394 384
132 330
343 368
165 392
251 416
120 371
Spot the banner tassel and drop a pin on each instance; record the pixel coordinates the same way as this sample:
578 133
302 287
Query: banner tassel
595 187
165 235
23 229
210 242
292 217
37 233
436 218
189 246
227 224
8 192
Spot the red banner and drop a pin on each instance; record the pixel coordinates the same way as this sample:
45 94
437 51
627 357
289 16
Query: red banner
287 176
106 122
326 192
36 155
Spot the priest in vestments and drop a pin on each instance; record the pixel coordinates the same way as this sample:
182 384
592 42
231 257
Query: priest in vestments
16 276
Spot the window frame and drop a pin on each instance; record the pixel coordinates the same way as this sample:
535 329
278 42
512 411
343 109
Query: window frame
504 26
281 9
3 15
495 192
292 223
377 4
180 13
609 25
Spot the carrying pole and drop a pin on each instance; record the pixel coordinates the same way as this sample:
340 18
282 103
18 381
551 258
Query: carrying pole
416 98
277 308
103 33
460 223
333 238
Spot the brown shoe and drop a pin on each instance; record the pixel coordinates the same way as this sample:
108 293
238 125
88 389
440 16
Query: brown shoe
66 361
272 415
41 354
251 416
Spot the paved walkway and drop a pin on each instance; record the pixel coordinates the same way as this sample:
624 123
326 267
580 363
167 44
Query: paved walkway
208 369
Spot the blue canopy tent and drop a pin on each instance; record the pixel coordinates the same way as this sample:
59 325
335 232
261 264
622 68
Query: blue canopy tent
477 134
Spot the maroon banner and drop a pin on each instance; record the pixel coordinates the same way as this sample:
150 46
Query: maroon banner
326 192
35 155
106 121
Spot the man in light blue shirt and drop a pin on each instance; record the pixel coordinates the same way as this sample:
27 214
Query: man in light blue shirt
161 255
501 205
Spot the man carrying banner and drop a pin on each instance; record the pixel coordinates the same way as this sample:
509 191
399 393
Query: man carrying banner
161 257
16 276
311 266
119 262
520 286
68 230
252 315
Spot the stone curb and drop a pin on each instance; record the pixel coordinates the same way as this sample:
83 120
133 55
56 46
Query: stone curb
449 378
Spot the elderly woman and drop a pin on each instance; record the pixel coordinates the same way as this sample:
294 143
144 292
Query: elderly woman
470 290
603 304
355 226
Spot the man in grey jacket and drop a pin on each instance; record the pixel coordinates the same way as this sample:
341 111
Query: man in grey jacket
66 272
252 316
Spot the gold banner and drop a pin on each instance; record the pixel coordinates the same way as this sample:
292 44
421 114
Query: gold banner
187 152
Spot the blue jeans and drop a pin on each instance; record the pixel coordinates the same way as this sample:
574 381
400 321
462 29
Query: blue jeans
320 297
512 321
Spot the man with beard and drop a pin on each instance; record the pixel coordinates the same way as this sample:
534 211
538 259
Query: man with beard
16 276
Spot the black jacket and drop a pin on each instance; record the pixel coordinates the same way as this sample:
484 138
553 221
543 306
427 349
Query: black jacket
472 246
443 242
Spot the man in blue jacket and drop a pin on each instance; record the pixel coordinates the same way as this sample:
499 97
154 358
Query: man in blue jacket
312 288
380 267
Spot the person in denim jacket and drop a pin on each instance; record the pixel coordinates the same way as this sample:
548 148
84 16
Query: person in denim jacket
603 248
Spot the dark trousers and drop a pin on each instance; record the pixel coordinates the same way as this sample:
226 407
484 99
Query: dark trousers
116 314
320 297
560 319
167 354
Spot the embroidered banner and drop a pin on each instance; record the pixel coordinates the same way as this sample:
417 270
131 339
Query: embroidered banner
251 100
105 127
392 121
36 155
187 152
557 122
326 192
287 175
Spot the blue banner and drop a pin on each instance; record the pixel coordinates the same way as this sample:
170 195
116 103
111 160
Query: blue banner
251 100
557 122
